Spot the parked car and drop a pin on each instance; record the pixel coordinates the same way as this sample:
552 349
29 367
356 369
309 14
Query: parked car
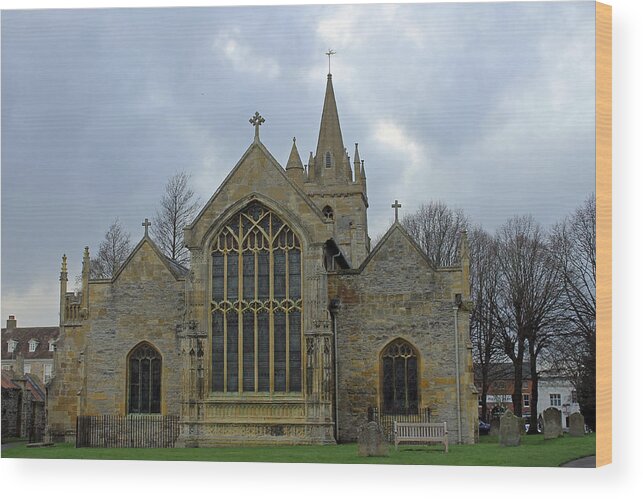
483 428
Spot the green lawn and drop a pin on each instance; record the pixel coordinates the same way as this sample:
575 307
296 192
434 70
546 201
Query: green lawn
533 452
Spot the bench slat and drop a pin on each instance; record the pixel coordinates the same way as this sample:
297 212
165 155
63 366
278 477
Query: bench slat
422 433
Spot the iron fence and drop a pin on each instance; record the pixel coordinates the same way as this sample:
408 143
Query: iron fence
134 431
423 415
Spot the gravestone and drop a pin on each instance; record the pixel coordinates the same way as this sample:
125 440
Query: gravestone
495 426
553 422
576 425
371 441
510 430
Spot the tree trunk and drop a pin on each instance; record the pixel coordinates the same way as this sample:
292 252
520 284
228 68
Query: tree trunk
516 396
533 403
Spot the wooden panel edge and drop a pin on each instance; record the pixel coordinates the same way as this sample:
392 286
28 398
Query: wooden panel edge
603 234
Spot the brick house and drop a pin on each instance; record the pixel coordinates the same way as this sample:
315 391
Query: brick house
35 345
501 388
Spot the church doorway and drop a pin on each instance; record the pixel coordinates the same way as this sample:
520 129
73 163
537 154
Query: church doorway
144 380
399 374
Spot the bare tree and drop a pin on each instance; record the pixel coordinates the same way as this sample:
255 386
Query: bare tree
484 326
437 228
178 206
574 252
528 296
112 252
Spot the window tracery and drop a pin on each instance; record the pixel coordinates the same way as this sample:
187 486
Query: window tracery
256 305
399 378
144 380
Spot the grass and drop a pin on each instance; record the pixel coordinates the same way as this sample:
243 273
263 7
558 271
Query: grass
534 451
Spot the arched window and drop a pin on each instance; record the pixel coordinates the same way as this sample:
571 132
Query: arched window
144 380
328 160
256 304
328 213
399 378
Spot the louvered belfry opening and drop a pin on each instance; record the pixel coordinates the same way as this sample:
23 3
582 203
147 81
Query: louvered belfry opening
256 305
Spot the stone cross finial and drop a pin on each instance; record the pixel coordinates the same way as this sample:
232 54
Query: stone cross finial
146 224
396 206
256 121
329 53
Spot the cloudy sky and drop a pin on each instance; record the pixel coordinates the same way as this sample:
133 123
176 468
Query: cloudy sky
488 107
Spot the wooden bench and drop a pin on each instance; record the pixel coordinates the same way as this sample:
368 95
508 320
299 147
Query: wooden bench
421 433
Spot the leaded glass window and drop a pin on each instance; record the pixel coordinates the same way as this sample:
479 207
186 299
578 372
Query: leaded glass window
256 305
399 379
144 380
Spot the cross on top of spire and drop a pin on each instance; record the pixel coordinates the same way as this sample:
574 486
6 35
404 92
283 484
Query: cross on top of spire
329 53
146 224
396 206
256 121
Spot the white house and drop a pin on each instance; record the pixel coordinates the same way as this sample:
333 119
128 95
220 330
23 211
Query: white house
560 393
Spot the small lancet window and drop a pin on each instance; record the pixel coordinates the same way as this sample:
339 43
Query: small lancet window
328 213
328 161
144 380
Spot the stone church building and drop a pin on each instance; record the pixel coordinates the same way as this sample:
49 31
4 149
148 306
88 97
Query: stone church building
288 327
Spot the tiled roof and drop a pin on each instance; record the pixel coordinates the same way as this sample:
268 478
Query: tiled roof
32 383
23 335
7 381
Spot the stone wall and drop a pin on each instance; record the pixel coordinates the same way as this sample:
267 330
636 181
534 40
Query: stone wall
398 295
11 402
144 303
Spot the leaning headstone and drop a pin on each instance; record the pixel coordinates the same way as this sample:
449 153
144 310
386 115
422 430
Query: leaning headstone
576 425
553 422
371 441
495 426
510 425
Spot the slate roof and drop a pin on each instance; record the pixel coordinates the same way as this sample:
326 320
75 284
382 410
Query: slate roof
34 385
23 335
177 268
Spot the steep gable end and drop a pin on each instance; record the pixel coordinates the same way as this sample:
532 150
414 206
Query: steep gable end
256 172
395 249
147 262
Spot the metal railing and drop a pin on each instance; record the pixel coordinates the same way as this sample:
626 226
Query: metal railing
386 421
133 431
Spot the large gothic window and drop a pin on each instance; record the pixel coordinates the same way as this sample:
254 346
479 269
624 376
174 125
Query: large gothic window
399 379
144 380
256 305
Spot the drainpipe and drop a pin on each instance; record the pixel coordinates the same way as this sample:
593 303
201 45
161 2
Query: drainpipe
334 306
456 308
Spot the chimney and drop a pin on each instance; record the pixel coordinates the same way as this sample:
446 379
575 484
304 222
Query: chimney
12 323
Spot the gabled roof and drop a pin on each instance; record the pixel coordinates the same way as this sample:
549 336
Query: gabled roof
7 380
396 227
23 335
32 383
278 168
176 269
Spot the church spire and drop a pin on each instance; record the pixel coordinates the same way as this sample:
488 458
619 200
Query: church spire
330 155
294 167
357 165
